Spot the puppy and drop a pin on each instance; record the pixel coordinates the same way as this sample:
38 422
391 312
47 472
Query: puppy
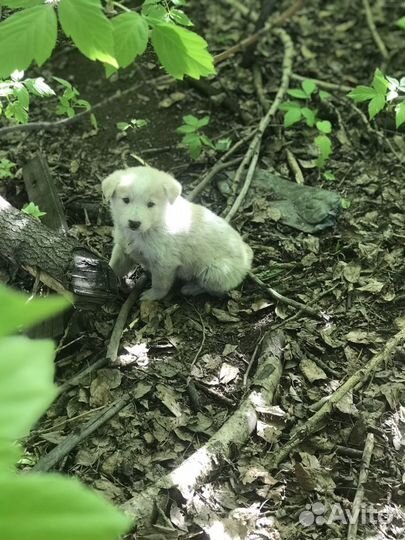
171 237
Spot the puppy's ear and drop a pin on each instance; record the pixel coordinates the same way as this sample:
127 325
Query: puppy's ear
171 187
110 183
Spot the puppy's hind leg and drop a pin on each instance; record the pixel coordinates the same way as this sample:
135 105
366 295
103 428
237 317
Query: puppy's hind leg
162 281
217 280
192 289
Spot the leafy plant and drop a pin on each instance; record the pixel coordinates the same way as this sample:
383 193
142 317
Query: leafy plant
69 101
401 23
33 210
29 35
297 111
132 124
45 506
380 94
15 95
5 168
195 141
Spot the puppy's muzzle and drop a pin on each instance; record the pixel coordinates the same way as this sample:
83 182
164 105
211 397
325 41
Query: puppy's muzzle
134 225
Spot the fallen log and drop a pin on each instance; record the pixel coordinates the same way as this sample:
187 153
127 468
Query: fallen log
233 434
59 261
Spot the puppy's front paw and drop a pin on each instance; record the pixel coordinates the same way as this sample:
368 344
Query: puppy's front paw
152 294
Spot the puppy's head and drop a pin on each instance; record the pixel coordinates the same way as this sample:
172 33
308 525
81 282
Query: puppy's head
140 196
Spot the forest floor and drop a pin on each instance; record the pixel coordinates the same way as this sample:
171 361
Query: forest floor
353 272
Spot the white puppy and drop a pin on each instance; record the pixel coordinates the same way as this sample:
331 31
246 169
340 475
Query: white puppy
171 237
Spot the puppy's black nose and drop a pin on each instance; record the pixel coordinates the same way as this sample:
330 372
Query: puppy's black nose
134 225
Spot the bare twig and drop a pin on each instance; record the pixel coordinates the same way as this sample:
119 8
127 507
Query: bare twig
359 378
218 167
112 349
293 163
63 449
323 84
374 32
252 153
363 475
288 301
287 14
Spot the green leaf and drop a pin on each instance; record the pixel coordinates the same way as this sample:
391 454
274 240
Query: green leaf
324 145
308 86
49 507
380 83
131 34
362 93
287 105
204 121
155 13
328 175
401 23
345 203
122 126
298 93
23 96
10 453
376 105
182 52
26 384
324 126
324 95
22 313
39 87
191 120
90 30
309 115
26 36
291 117
15 4
207 141
186 129
180 17
33 210
400 114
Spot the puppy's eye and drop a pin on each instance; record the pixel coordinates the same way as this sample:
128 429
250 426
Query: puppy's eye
126 200
150 204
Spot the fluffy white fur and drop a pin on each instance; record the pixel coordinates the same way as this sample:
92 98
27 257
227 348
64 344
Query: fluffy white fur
170 237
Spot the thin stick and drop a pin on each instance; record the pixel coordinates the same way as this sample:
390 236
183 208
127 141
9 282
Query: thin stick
288 301
112 349
63 449
363 475
219 166
288 13
251 155
359 378
374 32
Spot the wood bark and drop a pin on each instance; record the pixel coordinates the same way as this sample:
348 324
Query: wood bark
56 259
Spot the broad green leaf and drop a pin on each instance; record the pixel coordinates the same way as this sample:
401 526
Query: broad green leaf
204 121
180 17
401 23
18 313
155 13
291 117
309 115
380 83
26 384
186 129
324 95
131 33
181 52
26 36
298 93
50 507
191 120
287 105
324 126
39 87
362 93
376 105
400 114
308 86
10 453
324 145
90 30
15 4
23 96
33 210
